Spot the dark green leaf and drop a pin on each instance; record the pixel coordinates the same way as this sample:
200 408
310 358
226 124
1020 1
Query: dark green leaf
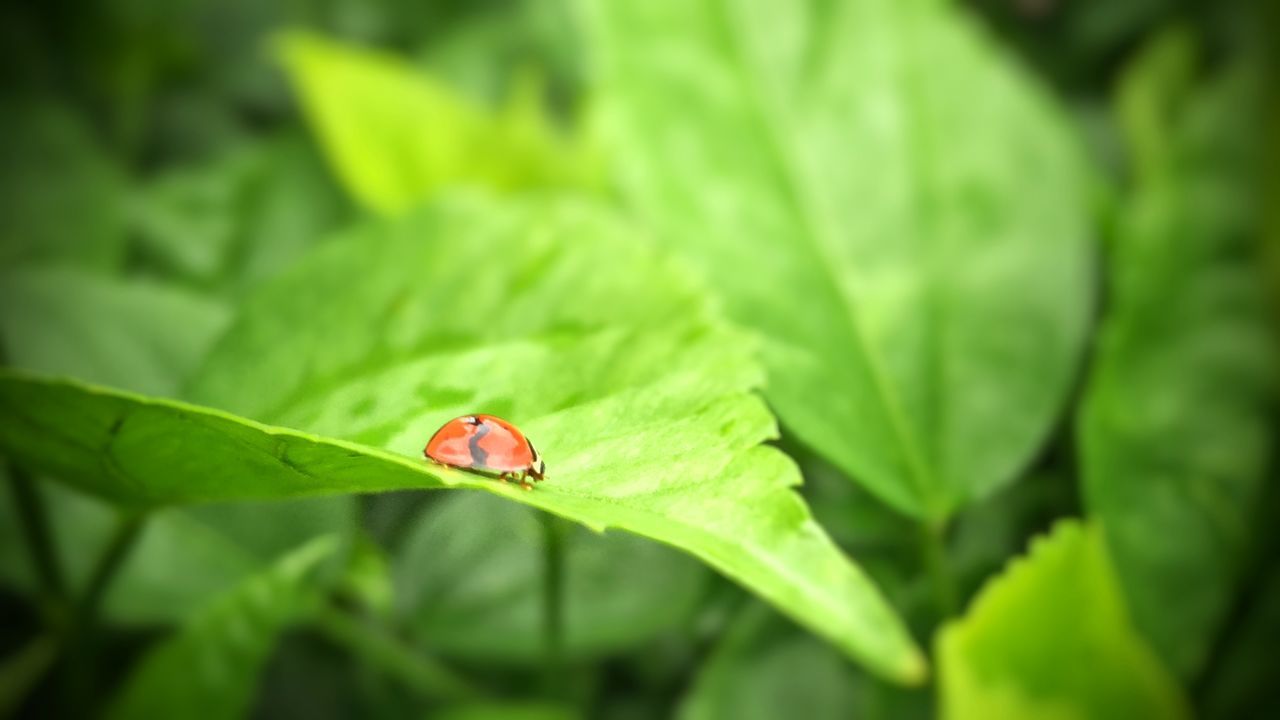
854 179
1175 433
210 667
61 198
474 589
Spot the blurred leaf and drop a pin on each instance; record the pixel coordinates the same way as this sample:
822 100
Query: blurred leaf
292 205
136 334
188 216
764 668
853 178
145 336
506 711
475 589
20 671
760 671
1243 684
209 668
61 198
607 357
1175 432
396 136
210 548
1050 639
240 218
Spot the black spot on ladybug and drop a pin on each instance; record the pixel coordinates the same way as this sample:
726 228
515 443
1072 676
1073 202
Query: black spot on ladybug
478 455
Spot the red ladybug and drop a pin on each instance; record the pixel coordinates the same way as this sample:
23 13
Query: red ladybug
486 444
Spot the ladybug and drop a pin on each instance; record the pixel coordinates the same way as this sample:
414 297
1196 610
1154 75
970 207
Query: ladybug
486 444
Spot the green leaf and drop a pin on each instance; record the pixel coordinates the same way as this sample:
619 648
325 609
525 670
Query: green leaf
1050 638
600 350
237 219
137 334
147 336
1175 429
395 135
760 671
474 589
210 667
763 667
507 711
853 179
61 198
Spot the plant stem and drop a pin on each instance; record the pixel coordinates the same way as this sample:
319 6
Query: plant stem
553 532
81 630
933 548
34 519
420 673
128 528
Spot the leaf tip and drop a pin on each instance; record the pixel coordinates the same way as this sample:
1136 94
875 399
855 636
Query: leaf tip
913 669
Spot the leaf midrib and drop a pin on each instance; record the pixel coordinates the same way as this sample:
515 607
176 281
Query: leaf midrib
821 234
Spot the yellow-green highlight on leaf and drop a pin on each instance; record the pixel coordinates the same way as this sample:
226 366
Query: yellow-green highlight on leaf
598 347
210 667
853 179
1050 638
1175 429
395 135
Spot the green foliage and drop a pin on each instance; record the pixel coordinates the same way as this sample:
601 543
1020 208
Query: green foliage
247 270
1175 431
61 198
396 136
143 335
920 304
473 590
761 670
1063 595
209 668
657 437
232 223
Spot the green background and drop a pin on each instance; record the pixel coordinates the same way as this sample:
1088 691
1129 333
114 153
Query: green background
890 358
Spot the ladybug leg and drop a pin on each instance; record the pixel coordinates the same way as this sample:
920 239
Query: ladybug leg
524 480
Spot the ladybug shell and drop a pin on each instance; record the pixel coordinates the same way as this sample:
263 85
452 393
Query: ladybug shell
486 443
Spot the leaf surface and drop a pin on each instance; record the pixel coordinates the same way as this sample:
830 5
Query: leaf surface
853 179
601 350
209 668
395 135
474 590
1175 428
1050 638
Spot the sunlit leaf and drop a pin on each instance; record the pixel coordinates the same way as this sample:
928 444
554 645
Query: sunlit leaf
209 668
396 136
1050 638
598 348
1175 427
895 210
